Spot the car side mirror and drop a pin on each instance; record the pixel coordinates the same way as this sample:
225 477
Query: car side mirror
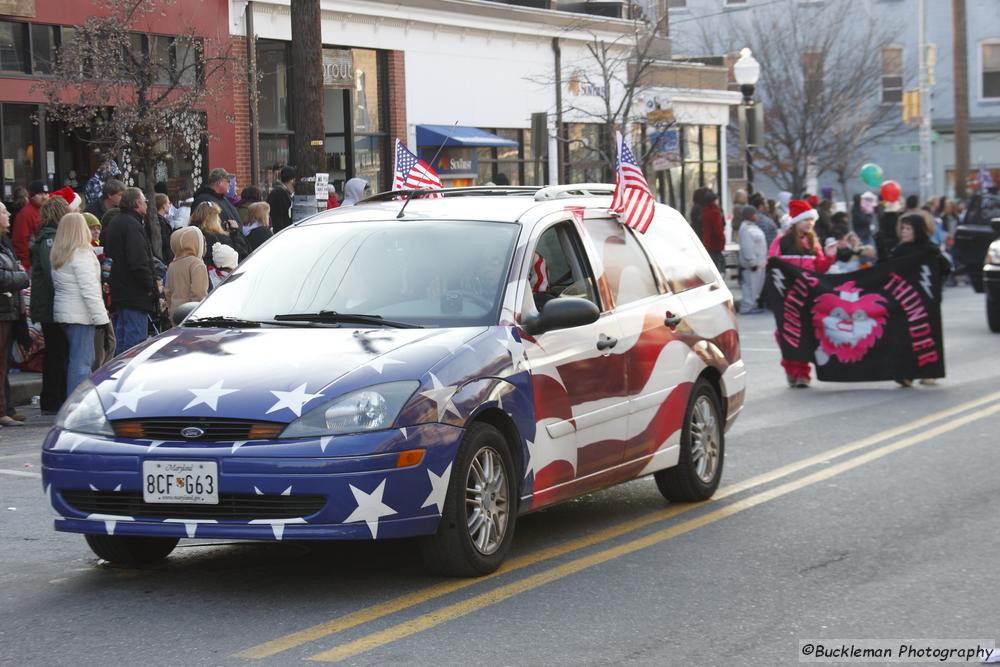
182 311
995 224
563 313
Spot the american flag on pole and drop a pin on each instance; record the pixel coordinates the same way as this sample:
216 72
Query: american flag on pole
412 173
633 202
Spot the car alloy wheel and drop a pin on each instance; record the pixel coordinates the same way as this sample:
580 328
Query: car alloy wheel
705 448
486 501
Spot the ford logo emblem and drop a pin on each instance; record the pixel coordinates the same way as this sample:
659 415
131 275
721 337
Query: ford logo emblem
191 432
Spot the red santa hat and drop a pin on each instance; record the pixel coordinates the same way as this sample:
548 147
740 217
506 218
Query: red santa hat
72 198
799 210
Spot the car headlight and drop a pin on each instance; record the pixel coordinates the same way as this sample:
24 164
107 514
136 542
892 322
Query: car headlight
993 254
83 413
369 409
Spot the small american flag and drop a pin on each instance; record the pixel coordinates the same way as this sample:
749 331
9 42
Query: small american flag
633 202
539 277
412 173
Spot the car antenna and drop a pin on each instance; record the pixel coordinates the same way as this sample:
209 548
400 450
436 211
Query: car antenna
433 160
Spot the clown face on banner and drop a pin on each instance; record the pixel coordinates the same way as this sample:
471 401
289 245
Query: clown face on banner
847 323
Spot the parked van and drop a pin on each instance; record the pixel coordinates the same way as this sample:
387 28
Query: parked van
437 370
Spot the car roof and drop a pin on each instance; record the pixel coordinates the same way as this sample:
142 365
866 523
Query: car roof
494 204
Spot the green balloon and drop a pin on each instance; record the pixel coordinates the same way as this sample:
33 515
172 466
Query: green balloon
871 174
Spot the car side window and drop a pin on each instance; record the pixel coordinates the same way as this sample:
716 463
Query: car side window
626 267
559 268
680 256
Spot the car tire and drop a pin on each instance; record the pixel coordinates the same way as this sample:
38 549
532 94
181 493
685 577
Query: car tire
696 475
469 543
993 314
131 551
976 280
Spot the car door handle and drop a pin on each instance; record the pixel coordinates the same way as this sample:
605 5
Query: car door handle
671 320
606 342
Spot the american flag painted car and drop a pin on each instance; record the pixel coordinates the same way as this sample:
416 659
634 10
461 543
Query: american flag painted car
363 376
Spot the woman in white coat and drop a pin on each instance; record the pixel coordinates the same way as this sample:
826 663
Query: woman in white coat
77 306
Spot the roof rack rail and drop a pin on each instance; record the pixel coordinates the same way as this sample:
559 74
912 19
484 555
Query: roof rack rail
487 190
575 190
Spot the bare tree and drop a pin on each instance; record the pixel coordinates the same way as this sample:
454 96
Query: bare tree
820 83
614 74
135 94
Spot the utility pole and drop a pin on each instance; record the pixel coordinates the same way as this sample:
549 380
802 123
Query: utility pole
926 177
959 56
306 93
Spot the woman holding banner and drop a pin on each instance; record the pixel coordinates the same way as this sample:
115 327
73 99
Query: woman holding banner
799 246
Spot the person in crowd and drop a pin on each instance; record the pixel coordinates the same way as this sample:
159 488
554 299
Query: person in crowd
501 180
331 198
753 260
111 197
78 303
773 212
713 230
12 281
800 247
206 217
840 225
781 209
224 260
849 254
94 188
740 200
864 217
914 240
161 189
763 218
187 276
248 197
355 190
913 208
18 200
215 189
887 236
29 221
133 284
162 211
257 228
183 211
73 200
56 357
824 223
280 199
697 207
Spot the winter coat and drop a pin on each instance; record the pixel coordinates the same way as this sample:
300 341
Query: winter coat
229 211
768 226
165 231
235 240
26 226
257 236
924 246
783 248
354 191
97 208
78 296
12 281
132 281
753 246
280 200
187 276
713 230
42 289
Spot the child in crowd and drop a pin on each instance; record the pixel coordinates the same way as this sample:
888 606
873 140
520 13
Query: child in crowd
224 259
187 275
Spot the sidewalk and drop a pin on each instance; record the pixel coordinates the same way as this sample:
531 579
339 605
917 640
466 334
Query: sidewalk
24 385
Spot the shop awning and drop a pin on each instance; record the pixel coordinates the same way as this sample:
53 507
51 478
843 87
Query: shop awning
457 135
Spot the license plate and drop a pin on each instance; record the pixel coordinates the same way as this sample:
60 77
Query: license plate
195 482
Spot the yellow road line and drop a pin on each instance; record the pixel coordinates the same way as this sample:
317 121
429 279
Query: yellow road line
374 612
501 593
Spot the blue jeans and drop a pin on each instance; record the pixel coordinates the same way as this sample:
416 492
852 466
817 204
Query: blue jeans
131 328
81 353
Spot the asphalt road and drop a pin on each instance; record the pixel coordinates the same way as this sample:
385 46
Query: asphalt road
862 511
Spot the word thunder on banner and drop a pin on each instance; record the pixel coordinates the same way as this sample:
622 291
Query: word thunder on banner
633 203
412 173
882 323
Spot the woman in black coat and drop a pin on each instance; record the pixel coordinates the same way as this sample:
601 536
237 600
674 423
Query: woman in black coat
12 281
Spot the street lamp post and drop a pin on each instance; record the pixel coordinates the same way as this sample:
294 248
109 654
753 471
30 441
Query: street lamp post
746 70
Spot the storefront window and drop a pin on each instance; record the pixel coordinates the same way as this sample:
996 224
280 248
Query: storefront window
367 92
272 64
18 143
368 161
582 149
274 154
43 48
13 47
700 167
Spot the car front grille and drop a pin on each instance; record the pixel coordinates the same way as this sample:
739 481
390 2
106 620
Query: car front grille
231 506
218 430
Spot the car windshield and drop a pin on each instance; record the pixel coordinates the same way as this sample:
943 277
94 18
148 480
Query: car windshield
426 273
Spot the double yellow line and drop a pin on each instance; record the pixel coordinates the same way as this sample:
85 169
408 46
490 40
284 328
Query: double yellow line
923 426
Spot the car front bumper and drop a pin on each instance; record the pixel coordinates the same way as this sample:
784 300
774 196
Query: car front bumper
355 490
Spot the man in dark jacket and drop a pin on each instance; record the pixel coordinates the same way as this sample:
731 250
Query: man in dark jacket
214 190
280 199
133 287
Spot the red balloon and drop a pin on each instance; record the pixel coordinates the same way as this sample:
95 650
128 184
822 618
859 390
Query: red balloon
890 191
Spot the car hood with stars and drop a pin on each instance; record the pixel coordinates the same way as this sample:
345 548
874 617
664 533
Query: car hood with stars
265 374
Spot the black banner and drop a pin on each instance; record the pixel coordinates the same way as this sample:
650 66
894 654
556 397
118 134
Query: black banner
881 323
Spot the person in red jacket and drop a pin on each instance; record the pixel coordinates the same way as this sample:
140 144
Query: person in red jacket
28 221
713 230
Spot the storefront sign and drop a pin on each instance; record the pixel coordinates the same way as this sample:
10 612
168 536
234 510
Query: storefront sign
578 85
8 168
452 160
666 149
322 186
338 68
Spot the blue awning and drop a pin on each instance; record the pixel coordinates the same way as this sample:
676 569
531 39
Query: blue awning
456 135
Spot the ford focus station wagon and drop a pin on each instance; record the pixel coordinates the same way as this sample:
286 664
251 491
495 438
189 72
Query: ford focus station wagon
436 371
